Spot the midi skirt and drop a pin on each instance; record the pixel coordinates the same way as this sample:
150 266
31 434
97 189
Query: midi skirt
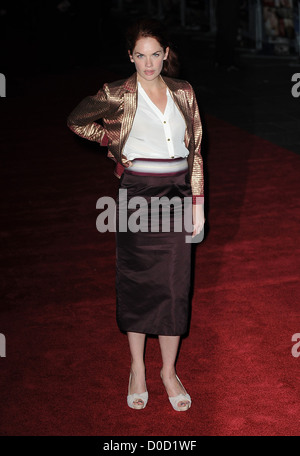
153 253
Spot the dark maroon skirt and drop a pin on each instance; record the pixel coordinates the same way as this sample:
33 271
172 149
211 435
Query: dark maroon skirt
153 266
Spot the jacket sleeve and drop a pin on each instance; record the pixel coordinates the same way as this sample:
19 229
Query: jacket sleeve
197 178
82 119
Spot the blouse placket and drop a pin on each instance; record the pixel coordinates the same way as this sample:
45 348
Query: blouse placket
164 118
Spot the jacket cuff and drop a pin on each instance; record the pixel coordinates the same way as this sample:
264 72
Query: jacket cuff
198 199
119 169
104 141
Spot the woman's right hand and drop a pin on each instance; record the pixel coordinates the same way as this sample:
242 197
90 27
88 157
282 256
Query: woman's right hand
126 163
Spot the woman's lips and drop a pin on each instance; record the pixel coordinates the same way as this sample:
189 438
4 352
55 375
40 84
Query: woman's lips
149 72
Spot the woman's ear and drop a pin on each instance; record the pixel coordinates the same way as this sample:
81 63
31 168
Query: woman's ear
166 53
130 57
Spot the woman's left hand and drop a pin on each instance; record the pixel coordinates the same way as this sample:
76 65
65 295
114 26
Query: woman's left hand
198 218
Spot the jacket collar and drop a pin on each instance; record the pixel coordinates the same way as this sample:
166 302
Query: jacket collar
131 83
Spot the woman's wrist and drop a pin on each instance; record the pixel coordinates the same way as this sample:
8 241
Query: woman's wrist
198 199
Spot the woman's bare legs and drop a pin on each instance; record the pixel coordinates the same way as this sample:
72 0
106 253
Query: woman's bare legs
169 348
137 346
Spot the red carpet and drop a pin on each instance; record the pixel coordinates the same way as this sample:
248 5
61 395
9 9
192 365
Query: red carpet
67 365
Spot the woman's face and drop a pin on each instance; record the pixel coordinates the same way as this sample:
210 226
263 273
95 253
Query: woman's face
148 56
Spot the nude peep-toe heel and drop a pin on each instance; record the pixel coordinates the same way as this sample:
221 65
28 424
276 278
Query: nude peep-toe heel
132 398
175 400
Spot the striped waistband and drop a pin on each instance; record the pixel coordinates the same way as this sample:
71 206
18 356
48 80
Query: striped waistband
153 167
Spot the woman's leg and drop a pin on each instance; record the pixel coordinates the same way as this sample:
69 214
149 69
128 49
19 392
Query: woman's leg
169 348
137 346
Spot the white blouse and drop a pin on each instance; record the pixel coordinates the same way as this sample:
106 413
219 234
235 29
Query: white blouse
155 134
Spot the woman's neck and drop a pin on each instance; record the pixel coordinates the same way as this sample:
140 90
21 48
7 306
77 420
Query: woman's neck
157 83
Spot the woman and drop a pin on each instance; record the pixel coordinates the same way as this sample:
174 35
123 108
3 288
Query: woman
152 127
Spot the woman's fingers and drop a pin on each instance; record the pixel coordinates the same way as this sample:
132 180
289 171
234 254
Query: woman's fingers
198 228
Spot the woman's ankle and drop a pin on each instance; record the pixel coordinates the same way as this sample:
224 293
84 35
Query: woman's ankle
168 372
137 368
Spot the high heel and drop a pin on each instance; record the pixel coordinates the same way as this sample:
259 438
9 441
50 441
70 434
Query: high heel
175 400
132 398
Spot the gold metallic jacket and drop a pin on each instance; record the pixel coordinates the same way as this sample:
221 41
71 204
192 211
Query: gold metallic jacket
116 105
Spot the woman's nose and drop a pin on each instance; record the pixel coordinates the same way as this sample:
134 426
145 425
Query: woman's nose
148 62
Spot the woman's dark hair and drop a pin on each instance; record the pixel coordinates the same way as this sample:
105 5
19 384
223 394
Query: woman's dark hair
153 28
